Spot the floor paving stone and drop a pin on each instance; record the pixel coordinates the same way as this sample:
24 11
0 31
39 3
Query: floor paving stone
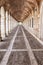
19 58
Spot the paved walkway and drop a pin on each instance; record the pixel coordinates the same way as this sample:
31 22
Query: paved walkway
21 48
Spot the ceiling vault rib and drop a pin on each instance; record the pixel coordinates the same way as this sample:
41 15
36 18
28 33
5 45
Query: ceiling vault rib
20 9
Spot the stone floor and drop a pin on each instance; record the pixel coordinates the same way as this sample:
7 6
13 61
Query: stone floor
18 52
19 58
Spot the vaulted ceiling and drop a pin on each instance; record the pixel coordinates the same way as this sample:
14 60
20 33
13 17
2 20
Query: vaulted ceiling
20 9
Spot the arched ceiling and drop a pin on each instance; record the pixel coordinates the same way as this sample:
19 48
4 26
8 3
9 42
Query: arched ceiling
20 9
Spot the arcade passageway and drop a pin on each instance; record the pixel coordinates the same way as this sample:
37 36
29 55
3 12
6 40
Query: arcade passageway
21 32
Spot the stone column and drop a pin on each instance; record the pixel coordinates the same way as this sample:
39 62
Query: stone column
41 21
32 19
32 22
2 23
7 23
36 22
11 23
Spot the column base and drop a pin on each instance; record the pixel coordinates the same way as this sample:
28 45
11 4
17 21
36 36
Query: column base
7 34
0 39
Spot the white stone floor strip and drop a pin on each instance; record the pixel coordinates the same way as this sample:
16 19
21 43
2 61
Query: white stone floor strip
30 53
7 54
37 50
19 36
20 50
2 50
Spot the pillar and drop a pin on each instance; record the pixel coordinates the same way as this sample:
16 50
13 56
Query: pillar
2 23
36 21
11 23
32 20
41 21
7 23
